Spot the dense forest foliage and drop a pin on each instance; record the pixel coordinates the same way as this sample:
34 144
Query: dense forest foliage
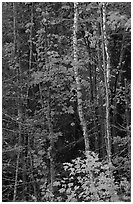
66 101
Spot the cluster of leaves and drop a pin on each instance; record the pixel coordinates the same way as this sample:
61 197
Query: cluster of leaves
86 179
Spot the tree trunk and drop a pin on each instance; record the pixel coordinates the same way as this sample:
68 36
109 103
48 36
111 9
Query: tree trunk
79 97
106 66
19 110
51 136
77 79
30 67
48 117
30 38
127 115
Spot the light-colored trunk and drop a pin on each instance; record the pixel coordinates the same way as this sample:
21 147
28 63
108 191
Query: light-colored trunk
18 158
106 66
30 67
79 99
30 38
77 79
19 110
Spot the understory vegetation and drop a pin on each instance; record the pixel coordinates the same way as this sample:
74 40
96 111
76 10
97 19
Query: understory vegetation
66 70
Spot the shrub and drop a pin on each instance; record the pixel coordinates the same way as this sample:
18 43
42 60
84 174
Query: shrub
86 179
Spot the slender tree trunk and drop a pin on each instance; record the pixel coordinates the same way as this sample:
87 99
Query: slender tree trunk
114 90
32 176
18 158
106 66
50 125
79 97
19 111
51 136
30 38
30 67
96 133
48 117
127 115
77 78
21 139
101 111
102 126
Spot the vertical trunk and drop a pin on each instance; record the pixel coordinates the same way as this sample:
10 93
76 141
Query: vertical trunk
48 116
30 38
102 150
19 110
101 111
127 115
21 138
106 66
51 135
18 158
113 94
30 67
77 79
32 176
79 97
96 133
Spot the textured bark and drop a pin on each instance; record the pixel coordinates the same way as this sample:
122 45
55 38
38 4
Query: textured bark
77 79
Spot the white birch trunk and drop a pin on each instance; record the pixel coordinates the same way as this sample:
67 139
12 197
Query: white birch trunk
106 66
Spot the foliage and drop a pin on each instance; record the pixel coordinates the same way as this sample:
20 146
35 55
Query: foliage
77 185
40 95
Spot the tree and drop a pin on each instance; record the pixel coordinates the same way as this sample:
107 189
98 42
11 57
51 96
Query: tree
66 101
77 79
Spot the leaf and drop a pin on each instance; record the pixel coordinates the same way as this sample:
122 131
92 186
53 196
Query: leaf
70 110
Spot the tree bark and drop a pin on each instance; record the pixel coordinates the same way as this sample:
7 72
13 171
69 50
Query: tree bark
77 79
106 66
